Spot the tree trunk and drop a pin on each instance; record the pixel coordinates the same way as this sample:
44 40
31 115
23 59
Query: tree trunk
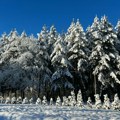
95 84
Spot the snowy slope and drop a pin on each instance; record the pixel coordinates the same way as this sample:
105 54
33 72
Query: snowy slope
36 112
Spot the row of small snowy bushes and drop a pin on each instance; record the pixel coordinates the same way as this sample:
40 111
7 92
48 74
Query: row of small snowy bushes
68 101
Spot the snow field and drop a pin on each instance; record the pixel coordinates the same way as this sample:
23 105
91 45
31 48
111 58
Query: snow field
41 112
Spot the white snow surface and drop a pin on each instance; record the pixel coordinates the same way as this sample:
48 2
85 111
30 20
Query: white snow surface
38 112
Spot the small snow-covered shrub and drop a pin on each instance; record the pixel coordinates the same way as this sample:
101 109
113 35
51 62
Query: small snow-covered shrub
13 100
106 104
25 101
38 101
98 103
89 102
44 101
19 100
8 101
58 101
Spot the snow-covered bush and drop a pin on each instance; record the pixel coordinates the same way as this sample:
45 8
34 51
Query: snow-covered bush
25 101
79 99
44 101
19 100
51 101
58 101
116 103
8 100
38 101
72 99
65 101
31 101
13 100
1 99
98 103
89 103
106 104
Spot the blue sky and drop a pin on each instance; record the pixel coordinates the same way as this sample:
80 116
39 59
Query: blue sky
31 15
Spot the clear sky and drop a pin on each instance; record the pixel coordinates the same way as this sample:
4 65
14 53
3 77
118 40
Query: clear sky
31 15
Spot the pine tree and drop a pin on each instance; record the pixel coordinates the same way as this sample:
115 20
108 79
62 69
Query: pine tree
106 104
44 101
44 74
51 101
118 29
116 103
60 63
78 54
104 58
65 101
13 100
19 100
72 99
52 37
31 101
58 101
43 35
38 101
8 100
79 99
89 102
98 103
25 101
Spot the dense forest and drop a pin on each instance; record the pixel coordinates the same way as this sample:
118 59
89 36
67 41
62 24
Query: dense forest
54 64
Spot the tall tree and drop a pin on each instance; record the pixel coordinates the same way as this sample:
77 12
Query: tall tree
77 45
104 58
44 70
61 75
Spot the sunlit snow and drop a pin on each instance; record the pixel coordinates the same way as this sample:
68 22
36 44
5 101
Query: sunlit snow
36 112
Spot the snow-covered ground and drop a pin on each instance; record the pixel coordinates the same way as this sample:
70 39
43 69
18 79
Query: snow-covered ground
37 112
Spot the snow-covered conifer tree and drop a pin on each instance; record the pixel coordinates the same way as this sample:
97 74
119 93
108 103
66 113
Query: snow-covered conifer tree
104 54
43 35
8 100
23 34
58 101
52 37
25 101
79 99
13 35
19 100
51 101
118 29
89 102
116 103
98 103
44 74
72 99
31 101
77 45
65 101
13 100
44 101
38 101
60 63
106 104
118 36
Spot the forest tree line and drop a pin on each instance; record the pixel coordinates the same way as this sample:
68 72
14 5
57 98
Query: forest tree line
54 64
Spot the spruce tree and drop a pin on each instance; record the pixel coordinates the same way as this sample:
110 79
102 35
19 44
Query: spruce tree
77 46
104 58
61 75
